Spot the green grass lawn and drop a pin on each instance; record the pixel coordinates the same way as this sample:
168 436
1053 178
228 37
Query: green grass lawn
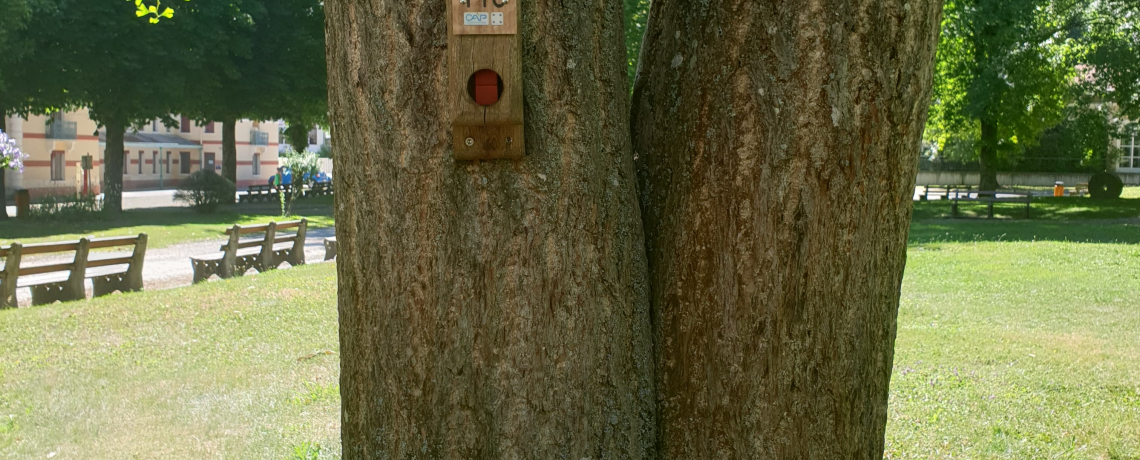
1016 339
166 226
232 369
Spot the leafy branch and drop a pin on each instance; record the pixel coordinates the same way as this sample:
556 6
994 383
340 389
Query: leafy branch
156 12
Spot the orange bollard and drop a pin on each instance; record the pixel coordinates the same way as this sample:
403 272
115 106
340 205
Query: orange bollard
1059 189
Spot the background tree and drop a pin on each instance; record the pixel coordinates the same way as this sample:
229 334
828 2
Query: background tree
490 309
1004 75
13 13
129 71
777 146
271 67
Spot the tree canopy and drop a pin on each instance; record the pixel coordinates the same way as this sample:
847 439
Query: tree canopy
1010 70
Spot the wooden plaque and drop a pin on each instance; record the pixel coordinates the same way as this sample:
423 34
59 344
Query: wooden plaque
495 131
484 17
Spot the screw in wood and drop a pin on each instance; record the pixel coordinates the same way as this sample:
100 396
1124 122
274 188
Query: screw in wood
470 142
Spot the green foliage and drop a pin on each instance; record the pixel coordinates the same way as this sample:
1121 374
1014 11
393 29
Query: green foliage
156 12
1029 68
326 150
636 16
66 209
205 191
1005 61
301 163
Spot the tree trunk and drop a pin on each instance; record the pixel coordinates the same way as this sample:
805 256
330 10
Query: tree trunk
3 171
988 159
113 166
777 147
493 309
229 151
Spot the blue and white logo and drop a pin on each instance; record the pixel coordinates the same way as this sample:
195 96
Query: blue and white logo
476 19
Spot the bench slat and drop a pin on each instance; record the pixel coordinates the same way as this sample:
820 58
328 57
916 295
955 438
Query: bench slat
264 227
114 242
108 262
48 248
46 269
257 243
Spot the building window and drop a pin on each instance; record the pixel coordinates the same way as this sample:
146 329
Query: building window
126 162
154 163
210 128
184 165
154 125
57 164
140 162
1130 152
185 124
168 162
257 164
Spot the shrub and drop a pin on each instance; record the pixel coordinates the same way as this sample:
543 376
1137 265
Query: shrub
1105 186
67 208
205 190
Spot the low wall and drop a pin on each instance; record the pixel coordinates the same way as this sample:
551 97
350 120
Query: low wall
1013 179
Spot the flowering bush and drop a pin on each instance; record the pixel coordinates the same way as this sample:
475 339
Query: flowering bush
10 156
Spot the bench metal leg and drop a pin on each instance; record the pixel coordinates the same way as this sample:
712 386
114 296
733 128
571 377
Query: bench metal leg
954 210
990 209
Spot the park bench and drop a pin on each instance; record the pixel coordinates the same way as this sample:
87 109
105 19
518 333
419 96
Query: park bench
990 198
239 255
330 248
64 281
945 191
259 193
320 189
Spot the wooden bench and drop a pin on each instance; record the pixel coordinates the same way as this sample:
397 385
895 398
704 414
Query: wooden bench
945 191
239 255
330 248
1081 189
991 197
259 193
64 281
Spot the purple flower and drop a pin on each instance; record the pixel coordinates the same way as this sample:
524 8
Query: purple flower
10 156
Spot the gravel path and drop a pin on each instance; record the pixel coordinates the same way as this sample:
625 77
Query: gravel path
169 267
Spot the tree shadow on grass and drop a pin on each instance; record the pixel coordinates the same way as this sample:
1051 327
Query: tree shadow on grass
171 217
1072 219
974 230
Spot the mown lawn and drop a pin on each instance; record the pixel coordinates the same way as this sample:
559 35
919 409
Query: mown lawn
1016 339
244 369
166 226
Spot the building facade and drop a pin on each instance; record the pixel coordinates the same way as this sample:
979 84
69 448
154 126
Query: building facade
156 156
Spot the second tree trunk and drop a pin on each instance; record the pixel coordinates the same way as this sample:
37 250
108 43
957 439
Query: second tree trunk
778 145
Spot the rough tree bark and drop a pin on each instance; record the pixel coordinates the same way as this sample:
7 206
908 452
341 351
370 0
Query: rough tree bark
229 151
113 165
777 146
488 309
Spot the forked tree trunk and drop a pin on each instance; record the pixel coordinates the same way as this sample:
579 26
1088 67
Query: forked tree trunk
491 309
113 166
777 146
229 150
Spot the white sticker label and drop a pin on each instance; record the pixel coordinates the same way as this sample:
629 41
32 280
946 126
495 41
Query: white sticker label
477 19
496 19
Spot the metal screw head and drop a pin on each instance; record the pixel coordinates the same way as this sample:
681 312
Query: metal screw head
470 142
463 2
